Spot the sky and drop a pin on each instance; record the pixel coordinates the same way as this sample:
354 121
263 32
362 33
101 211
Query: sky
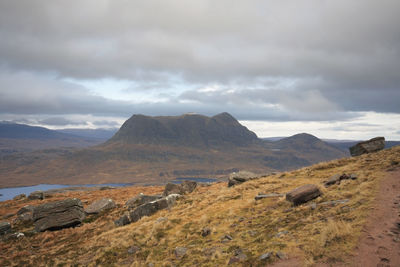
328 68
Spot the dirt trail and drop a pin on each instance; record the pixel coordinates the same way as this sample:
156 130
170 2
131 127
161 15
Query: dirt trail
379 244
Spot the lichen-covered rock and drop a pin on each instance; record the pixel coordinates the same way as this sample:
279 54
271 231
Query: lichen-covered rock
181 189
19 197
240 177
372 145
58 215
140 200
147 209
100 205
303 194
25 214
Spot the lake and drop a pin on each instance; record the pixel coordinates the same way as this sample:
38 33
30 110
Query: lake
10 193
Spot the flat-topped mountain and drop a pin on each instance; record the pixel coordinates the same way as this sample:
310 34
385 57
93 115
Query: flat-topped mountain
153 150
186 130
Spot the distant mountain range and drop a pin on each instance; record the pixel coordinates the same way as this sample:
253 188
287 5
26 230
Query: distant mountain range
150 150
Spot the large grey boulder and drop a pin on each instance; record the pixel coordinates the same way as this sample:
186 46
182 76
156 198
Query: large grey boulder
140 200
5 228
181 189
303 194
100 205
36 195
58 215
240 177
147 209
372 145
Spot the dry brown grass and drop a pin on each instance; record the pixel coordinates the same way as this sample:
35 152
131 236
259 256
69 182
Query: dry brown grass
327 233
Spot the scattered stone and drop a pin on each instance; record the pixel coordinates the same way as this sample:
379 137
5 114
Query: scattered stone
147 209
334 202
5 228
100 205
140 200
36 195
58 215
252 233
133 250
272 195
161 219
205 231
180 252
337 178
280 255
239 257
226 238
181 189
19 197
279 234
240 177
265 256
123 220
303 194
372 145
313 206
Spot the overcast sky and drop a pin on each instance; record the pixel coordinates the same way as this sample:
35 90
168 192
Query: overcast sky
329 68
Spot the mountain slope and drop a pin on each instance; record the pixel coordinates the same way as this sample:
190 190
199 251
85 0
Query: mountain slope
21 138
153 150
186 130
322 232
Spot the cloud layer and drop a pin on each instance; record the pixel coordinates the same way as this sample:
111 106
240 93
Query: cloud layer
259 60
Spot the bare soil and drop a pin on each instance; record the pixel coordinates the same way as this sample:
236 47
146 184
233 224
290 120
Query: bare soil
380 242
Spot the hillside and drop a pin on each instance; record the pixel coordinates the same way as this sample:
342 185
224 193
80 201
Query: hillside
323 232
22 138
154 150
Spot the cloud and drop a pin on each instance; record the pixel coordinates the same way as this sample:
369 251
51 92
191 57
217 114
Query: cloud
259 60
60 121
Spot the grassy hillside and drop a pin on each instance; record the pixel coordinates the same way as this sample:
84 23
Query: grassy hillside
323 233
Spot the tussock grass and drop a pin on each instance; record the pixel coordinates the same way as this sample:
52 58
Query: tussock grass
327 233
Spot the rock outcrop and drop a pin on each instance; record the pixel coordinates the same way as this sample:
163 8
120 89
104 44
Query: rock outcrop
5 228
372 145
140 200
335 179
25 214
58 215
181 189
36 195
240 177
100 205
303 194
147 209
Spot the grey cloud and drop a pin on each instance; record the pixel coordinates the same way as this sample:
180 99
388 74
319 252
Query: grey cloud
106 123
60 121
340 55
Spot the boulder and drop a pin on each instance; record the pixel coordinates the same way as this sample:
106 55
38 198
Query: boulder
58 215
36 195
100 205
5 228
335 179
140 200
25 214
180 252
147 209
303 194
181 189
372 145
19 197
240 177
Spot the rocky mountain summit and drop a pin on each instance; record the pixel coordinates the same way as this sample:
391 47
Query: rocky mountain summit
187 130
